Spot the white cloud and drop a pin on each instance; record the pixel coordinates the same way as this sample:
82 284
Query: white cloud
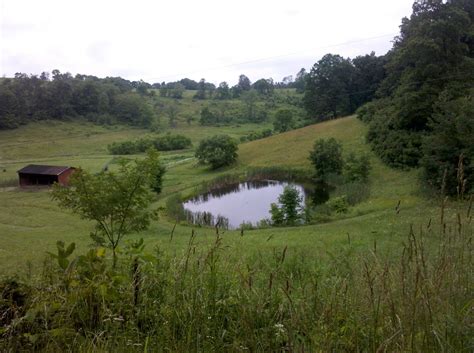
167 40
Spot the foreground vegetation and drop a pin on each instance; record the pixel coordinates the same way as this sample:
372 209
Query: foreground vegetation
207 299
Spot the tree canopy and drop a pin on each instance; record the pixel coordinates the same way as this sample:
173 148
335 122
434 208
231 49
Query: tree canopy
118 202
427 92
217 151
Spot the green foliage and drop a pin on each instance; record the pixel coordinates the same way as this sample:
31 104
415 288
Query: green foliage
290 210
284 120
63 254
257 304
326 158
28 98
357 169
337 86
217 151
173 90
207 117
168 142
431 60
338 204
256 135
264 86
449 148
118 202
223 91
354 192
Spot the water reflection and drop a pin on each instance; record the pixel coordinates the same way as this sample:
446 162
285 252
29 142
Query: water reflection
320 193
235 204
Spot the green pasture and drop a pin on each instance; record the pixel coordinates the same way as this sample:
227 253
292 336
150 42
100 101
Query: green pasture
31 223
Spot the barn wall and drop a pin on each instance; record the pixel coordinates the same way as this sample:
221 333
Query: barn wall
64 177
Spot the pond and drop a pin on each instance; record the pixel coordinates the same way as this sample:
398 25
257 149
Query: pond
232 205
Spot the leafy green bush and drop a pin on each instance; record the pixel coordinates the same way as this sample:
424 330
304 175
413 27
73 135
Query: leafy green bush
357 168
326 158
165 143
338 204
284 120
217 151
256 135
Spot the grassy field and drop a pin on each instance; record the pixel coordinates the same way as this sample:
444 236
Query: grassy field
30 223
371 280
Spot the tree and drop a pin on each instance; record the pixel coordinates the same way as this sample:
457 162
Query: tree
223 92
283 120
448 151
328 88
300 81
289 211
249 98
217 151
118 202
287 81
172 110
189 84
263 86
201 90
132 109
207 117
357 168
433 54
244 83
326 158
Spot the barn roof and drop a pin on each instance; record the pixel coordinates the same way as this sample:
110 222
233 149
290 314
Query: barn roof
43 169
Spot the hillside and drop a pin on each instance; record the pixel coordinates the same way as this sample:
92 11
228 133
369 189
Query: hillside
30 223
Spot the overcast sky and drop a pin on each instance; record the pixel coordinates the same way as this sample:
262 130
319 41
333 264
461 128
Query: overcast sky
168 40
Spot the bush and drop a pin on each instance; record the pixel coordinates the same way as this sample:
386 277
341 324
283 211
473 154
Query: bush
166 143
326 158
256 135
357 168
217 151
171 143
338 204
284 120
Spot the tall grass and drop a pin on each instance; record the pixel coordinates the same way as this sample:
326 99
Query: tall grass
418 299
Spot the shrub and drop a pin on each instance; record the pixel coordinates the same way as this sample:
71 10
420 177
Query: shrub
217 151
284 120
172 142
166 143
338 204
326 158
357 168
256 135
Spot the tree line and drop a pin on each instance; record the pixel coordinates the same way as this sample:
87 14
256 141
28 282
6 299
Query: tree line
26 98
417 99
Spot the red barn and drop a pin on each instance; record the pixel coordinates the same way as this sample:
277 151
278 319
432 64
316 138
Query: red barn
44 175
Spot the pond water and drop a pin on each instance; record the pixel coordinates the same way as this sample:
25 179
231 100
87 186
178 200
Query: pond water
235 204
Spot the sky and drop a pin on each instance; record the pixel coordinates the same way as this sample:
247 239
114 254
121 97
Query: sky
213 39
